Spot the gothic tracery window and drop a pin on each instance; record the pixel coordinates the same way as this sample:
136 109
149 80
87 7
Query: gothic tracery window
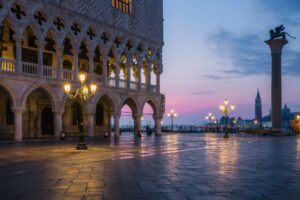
124 5
18 11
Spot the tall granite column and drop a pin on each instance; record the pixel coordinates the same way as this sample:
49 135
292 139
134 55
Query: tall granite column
276 51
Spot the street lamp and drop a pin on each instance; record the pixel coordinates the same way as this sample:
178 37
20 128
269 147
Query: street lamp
210 118
255 123
83 92
226 109
172 114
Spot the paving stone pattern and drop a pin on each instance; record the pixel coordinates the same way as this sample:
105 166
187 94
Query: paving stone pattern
170 167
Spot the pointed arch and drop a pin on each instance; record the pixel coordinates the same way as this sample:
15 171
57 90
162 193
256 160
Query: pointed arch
153 103
48 90
109 96
132 103
11 93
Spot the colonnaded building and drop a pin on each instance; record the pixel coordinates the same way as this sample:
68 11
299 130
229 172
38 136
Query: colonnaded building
45 43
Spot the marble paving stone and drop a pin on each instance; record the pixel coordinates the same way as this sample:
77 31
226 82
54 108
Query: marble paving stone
170 167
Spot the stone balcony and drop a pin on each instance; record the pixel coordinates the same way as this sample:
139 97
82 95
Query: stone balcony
32 70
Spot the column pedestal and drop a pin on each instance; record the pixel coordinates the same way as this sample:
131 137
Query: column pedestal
276 51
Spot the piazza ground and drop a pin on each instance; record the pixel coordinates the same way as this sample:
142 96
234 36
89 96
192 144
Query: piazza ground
179 166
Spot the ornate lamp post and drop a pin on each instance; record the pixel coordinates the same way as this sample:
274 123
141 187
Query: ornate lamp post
226 109
210 118
172 114
84 92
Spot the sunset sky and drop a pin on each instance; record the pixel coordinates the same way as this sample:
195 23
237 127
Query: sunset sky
215 50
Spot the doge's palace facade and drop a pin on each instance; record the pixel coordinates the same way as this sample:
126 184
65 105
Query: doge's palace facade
46 43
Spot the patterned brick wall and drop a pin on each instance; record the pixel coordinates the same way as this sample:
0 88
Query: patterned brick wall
146 19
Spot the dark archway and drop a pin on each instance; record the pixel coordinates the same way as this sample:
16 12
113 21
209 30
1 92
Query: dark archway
36 114
103 115
6 115
47 122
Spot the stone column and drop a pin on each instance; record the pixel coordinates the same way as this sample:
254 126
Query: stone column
40 45
59 67
148 81
137 122
19 40
117 125
18 112
104 75
91 124
75 58
117 73
158 82
91 65
158 125
140 65
129 68
276 51
105 59
57 124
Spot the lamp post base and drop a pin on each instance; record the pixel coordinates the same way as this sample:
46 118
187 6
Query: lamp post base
226 135
81 145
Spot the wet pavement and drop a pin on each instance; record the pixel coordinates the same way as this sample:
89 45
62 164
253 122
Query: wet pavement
179 167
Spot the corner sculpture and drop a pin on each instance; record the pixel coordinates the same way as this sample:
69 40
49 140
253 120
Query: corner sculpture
279 32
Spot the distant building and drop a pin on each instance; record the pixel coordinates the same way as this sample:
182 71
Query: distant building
258 107
286 117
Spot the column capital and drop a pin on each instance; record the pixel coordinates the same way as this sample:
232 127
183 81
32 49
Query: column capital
91 55
276 45
59 46
116 115
105 51
76 48
18 38
57 112
18 110
137 115
41 43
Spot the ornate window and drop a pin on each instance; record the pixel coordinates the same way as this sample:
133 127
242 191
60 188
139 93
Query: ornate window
124 5
40 18
18 11
9 114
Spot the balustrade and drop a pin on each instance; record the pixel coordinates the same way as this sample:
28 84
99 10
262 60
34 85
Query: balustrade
7 65
122 83
68 74
112 82
97 78
30 68
133 85
49 71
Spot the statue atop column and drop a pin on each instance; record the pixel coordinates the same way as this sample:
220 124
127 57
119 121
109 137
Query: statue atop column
278 32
